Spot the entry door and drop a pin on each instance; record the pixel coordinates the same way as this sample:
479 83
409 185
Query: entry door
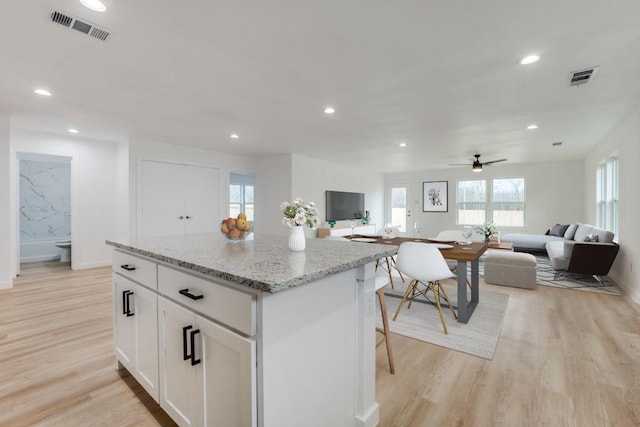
399 208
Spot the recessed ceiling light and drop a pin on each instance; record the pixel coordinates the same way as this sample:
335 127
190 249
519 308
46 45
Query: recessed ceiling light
234 136
532 126
72 130
403 144
95 5
329 110
529 59
42 92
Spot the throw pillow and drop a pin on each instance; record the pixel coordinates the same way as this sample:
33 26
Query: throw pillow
592 238
558 230
571 231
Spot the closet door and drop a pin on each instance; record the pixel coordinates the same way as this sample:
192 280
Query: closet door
161 199
201 199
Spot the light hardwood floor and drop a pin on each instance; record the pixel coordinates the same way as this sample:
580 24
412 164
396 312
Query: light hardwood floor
564 358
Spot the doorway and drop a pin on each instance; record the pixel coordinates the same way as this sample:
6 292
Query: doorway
398 211
44 212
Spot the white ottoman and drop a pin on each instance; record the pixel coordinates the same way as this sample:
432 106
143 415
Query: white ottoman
517 269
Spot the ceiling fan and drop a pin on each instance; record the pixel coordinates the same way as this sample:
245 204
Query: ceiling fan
476 166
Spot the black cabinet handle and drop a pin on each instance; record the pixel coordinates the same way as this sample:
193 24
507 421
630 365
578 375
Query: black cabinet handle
194 361
185 353
186 293
129 312
126 303
128 267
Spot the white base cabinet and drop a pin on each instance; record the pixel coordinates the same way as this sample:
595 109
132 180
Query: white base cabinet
208 372
136 331
229 357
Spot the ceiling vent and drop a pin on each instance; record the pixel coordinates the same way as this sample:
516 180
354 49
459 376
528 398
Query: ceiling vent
79 25
582 76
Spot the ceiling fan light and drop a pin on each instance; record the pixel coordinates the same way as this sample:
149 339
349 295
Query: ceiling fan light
477 167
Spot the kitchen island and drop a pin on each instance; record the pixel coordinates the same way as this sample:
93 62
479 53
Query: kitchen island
248 333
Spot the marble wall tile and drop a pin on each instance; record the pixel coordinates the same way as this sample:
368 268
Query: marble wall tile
45 200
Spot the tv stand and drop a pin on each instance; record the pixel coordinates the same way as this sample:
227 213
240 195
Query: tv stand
345 230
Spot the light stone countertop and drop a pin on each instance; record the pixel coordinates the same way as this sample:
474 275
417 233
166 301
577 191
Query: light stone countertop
262 262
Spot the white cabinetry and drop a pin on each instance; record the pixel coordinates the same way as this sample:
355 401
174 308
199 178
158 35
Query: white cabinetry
208 372
176 199
136 326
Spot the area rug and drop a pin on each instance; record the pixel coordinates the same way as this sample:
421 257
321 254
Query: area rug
479 337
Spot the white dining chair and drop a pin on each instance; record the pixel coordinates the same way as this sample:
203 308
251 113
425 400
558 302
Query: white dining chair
389 263
427 267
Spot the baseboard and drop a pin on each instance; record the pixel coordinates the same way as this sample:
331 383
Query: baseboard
6 284
88 265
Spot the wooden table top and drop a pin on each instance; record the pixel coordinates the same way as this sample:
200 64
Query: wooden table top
458 252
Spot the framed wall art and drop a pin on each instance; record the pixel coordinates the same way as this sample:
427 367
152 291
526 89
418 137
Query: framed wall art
435 196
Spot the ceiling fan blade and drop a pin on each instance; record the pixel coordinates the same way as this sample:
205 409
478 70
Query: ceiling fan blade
494 161
460 164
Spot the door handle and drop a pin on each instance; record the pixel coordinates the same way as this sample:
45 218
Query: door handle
128 267
185 353
186 293
181 217
189 217
126 303
194 361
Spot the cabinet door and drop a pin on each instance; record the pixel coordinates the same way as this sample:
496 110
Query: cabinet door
202 199
178 378
124 328
161 199
145 315
228 383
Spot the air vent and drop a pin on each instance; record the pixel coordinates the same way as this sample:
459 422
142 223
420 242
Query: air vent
80 25
581 77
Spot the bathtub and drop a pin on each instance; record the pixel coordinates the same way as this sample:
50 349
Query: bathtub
40 250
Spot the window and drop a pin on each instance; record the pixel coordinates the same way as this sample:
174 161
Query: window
472 202
399 207
607 194
241 197
508 202
504 205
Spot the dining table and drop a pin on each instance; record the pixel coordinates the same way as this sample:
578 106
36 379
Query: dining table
463 253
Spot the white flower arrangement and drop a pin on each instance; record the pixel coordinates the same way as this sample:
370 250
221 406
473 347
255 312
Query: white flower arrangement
299 213
487 229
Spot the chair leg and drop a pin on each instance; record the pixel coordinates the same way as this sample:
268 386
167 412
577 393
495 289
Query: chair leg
385 327
404 297
446 297
393 261
437 298
413 293
389 271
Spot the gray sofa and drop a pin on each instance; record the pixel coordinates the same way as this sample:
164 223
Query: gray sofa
574 248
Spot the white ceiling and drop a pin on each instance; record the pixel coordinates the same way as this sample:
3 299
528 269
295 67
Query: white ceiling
442 76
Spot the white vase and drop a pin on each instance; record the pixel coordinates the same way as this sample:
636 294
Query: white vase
297 242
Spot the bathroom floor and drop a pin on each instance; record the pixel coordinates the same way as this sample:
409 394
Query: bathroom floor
43 267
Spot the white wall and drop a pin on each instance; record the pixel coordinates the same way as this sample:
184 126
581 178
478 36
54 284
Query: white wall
93 207
140 150
311 178
6 231
625 139
554 194
273 186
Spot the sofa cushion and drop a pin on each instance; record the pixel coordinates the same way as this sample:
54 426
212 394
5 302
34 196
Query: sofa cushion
571 231
557 256
558 230
603 236
525 241
582 231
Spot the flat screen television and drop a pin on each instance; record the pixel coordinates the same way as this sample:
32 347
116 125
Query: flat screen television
341 205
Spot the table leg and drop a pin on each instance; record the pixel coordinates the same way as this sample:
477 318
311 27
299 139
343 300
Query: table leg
466 306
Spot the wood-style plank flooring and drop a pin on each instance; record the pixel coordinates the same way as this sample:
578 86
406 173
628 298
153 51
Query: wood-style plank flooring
564 358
